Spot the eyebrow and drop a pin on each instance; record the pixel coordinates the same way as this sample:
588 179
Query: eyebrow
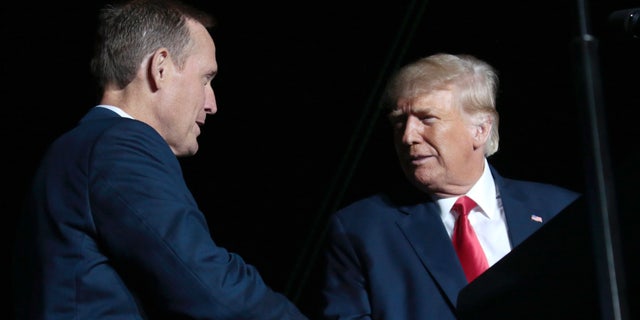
395 113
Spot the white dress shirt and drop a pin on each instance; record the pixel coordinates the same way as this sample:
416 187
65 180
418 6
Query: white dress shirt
487 219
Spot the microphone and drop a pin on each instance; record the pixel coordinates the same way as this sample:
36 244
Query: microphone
626 21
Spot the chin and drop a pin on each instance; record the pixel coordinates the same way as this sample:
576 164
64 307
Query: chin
186 152
422 175
192 151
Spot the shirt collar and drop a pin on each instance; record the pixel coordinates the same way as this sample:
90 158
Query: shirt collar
483 193
116 110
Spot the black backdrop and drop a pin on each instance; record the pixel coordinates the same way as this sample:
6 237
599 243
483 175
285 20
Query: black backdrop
297 136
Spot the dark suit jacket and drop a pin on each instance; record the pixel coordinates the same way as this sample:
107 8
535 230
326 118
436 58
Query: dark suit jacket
111 231
389 256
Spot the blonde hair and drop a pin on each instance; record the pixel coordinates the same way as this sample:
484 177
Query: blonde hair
475 83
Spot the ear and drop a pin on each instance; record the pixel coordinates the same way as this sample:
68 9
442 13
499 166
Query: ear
160 65
481 131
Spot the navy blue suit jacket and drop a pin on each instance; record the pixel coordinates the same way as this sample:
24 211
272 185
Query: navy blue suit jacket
111 231
389 256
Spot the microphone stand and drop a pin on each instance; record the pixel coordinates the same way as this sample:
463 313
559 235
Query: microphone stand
599 194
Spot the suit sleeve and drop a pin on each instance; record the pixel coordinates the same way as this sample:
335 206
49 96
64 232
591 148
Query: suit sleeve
157 238
344 291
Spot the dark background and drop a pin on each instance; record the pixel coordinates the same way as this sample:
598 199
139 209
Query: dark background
297 134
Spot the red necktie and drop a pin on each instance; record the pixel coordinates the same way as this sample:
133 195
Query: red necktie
467 246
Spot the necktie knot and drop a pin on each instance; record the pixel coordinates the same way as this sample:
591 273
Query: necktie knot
464 205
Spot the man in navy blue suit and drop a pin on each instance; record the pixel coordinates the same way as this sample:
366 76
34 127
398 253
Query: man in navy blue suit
110 229
390 255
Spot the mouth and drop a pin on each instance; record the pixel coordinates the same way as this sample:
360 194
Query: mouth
418 159
199 127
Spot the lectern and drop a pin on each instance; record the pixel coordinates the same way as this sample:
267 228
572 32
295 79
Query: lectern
551 275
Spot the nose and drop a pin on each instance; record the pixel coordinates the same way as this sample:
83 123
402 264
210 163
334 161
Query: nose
210 104
411 134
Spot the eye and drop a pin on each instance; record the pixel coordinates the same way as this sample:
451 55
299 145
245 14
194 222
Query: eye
208 79
427 119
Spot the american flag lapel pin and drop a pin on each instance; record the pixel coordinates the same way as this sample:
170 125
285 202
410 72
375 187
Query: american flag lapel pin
536 218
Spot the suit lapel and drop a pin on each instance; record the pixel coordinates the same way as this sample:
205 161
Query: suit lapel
423 229
519 219
518 211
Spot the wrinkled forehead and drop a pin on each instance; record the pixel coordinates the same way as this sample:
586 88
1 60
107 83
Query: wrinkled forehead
423 102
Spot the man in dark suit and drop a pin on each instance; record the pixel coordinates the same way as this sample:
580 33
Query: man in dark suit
110 229
390 255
